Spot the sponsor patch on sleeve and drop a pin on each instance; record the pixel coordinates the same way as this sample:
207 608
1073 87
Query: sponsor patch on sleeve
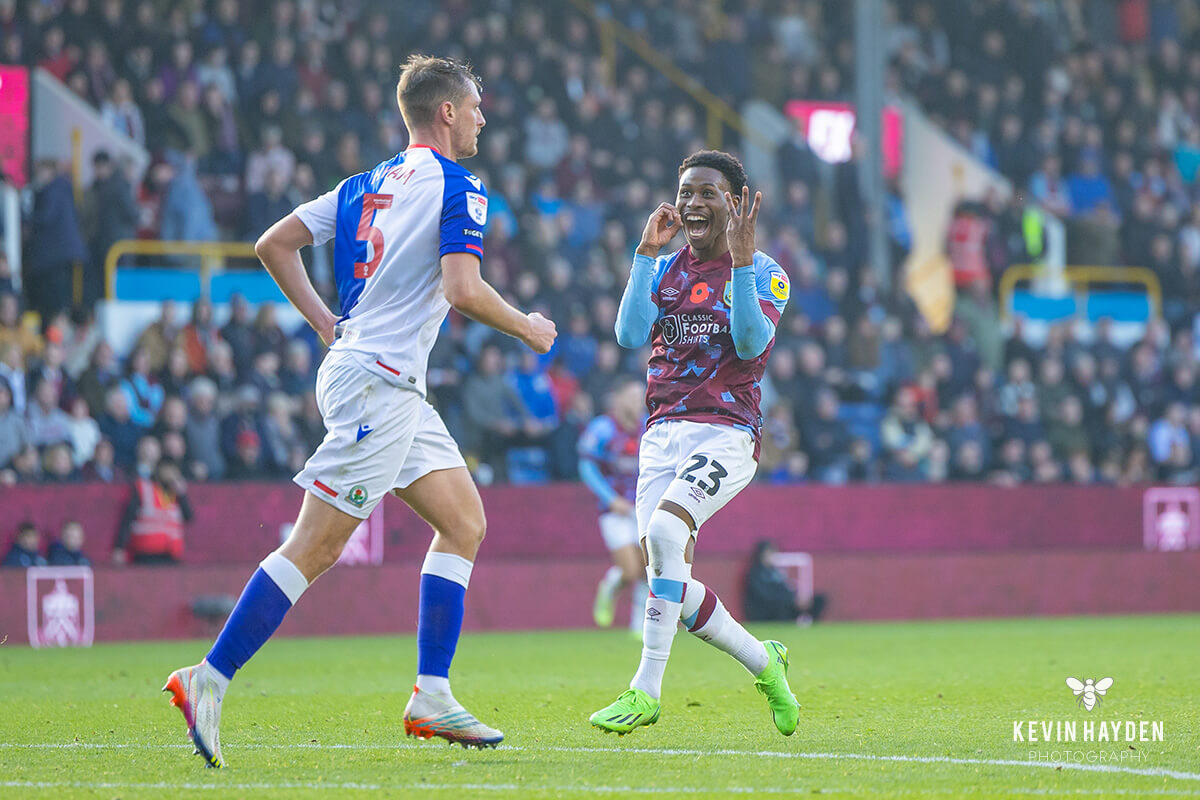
779 286
477 207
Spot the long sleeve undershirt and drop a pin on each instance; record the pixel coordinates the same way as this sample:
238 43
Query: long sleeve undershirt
749 326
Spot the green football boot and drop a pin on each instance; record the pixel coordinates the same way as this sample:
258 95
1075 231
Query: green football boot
604 605
772 684
632 709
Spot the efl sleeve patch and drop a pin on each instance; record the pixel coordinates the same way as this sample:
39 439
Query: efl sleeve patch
464 216
477 207
779 286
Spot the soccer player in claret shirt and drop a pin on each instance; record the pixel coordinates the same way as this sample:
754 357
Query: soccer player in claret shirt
711 309
608 465
408 239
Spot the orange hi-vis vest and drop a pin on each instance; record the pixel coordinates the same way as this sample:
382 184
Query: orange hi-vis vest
158 528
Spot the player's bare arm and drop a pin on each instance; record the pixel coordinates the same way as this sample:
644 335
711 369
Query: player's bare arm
279 251
470 294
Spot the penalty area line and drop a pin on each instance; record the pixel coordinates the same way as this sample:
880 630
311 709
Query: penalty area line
1150 772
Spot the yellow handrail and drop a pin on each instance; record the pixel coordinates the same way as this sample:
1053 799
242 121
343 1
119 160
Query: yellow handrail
212 254
719 112
1083 275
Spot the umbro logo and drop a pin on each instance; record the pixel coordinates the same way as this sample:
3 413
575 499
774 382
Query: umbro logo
478 184
363 431
670 291
653 614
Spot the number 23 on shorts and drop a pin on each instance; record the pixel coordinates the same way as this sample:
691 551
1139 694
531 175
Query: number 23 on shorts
710 483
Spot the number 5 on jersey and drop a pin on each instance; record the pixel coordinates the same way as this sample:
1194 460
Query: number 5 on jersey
367 232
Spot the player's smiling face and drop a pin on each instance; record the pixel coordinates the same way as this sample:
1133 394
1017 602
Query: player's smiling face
701 206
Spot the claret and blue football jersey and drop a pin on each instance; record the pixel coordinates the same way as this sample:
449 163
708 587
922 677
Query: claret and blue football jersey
694 371
391 226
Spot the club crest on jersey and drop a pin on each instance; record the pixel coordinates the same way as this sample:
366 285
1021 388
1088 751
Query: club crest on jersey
357 495
477 207
779 286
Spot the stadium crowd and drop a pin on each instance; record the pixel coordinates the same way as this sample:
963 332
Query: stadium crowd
246 115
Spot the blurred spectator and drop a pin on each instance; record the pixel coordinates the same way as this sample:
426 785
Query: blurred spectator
495 409
14 431
114 215
142 389
826 440
103 466
68 550
57 464
907 439
203 431
118 427
48 424
187 213
55 241
769 596
26 548
152 529
13 331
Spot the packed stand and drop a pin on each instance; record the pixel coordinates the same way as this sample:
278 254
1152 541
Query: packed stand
246 116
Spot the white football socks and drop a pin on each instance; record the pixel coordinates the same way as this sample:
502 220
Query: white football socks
433 683
705 616
658 631
637 605
666 540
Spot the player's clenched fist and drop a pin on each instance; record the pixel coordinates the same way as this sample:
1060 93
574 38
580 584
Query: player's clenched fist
661 228
541 334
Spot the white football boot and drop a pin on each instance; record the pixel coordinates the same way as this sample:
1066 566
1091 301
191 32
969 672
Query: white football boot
430 714
194 692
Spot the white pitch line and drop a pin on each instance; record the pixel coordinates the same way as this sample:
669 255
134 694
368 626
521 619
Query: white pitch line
1153 772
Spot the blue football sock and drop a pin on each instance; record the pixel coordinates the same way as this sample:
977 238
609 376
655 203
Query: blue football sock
444 580
270 593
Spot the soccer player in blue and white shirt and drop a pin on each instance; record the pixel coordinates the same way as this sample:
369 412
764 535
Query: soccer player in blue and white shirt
408 241
608 465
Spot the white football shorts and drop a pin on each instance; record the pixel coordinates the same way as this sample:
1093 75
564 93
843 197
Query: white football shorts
696 465
618 530
379 437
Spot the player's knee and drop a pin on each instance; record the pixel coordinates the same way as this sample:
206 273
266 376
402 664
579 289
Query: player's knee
477 528
666 539
468 529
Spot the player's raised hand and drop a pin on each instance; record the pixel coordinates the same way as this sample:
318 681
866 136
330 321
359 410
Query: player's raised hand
541 334
661 228
741 225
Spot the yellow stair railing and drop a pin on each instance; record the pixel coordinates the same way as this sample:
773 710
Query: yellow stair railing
212 256
1082 276
718 113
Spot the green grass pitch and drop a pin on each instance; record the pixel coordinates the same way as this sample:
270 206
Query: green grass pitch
913 710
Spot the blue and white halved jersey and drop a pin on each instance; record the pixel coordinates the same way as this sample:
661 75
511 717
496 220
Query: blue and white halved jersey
390 227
